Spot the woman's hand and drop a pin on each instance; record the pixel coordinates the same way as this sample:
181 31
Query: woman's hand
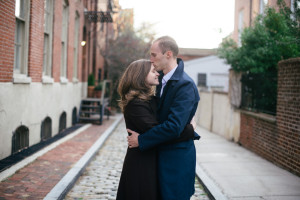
132 139
193 122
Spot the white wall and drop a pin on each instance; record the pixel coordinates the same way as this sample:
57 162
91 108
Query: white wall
30 104
216 69
216 114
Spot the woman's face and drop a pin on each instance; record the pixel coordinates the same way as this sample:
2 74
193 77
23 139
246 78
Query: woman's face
152 77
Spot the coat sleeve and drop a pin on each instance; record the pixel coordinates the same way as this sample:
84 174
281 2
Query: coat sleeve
141 116
181 111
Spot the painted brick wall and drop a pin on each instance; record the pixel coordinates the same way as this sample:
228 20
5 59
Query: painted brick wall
7 32
278 141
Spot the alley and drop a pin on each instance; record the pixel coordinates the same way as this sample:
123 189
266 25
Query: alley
101 177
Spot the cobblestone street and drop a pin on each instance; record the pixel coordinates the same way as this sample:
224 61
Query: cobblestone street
101 178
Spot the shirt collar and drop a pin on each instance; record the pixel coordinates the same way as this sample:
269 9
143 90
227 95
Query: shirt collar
169 75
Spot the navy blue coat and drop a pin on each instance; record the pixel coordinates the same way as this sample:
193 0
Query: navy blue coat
176 162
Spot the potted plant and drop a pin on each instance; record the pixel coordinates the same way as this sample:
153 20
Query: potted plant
91 85
98 90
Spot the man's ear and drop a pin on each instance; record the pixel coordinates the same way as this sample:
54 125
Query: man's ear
169 54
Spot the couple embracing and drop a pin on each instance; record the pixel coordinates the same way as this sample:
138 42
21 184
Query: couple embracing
159 101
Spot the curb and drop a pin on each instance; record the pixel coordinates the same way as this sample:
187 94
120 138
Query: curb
65 184
12 170
214 192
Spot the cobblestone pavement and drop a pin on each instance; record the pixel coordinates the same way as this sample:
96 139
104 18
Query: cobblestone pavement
101 178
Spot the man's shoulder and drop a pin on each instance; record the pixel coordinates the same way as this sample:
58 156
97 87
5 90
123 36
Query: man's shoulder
187 79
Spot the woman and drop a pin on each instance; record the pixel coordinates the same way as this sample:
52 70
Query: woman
136 88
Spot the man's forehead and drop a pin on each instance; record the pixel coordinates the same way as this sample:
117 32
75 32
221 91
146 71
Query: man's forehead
155 49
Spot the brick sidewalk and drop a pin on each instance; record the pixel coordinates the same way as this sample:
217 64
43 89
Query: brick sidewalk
37 179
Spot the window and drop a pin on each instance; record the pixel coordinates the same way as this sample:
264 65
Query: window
64 39
22 11
46 129
241 26
47 53
74 116
62 122
293 15
202 79
20 139
262 5
76 43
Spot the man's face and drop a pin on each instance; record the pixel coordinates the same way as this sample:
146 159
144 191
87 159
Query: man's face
158 59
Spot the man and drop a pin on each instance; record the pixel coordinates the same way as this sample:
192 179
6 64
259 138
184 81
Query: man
177 105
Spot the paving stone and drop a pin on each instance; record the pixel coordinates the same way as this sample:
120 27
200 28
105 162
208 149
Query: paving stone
101 177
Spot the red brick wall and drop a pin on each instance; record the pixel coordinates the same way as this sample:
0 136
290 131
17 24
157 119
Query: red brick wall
57 31
288 113
36 40
7 38
278 141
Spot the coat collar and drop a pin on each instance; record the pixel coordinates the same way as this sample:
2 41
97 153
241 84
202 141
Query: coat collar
179 71
175 77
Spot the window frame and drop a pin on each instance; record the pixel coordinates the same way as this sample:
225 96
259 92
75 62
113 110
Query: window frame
20 74
64 43
48 32
76 46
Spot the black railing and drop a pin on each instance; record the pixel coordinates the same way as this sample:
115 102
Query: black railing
259 92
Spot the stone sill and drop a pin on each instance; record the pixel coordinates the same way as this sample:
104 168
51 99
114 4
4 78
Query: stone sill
263 116
75 80
21 79
63 80
47 80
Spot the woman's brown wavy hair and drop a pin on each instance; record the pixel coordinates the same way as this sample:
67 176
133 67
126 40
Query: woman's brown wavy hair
133 83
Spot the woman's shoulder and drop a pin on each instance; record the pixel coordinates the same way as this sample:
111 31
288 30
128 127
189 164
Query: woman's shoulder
137 103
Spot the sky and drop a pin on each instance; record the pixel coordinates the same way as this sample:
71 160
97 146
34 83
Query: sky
192 23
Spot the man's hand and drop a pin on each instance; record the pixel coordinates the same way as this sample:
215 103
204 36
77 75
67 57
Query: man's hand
133 139
193 122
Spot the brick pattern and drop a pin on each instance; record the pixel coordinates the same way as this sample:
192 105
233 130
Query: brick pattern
278 142
36 40
37 179
288 113
7 35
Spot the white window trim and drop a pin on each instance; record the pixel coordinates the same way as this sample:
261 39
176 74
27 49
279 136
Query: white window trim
18 76
21 78
75 80
49 65
76 47
64 39
63 80
47 80
240 26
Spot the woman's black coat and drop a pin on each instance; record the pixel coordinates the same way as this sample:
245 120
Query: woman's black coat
139 180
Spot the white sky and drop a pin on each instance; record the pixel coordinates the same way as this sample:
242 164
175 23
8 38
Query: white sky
192 23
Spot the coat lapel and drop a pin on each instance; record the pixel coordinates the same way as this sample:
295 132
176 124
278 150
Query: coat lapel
170 84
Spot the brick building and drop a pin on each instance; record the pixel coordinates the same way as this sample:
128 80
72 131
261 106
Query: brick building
246 11
274 137
44 66
190 53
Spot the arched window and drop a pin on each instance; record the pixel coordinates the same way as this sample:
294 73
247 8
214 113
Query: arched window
62 122
74 116
46 129
20 139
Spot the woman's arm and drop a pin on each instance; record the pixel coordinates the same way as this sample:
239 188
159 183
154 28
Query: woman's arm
140 115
